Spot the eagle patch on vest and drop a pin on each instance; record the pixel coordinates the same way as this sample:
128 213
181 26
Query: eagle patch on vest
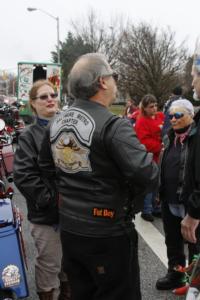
69 155
71 135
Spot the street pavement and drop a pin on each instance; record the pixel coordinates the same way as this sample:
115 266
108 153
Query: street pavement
152 255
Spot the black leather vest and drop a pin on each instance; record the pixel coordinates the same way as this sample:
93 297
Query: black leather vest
93 192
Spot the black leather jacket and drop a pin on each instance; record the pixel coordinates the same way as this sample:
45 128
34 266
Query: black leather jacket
99 164
193 179
189 176
40 194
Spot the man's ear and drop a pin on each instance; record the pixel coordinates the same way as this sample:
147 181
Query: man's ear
103 83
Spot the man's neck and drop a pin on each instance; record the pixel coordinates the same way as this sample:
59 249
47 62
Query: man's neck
99 100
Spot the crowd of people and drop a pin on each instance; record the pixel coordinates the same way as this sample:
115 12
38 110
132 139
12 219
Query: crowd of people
148 129
84 172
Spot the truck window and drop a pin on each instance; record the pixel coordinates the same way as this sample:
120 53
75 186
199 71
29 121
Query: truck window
39 72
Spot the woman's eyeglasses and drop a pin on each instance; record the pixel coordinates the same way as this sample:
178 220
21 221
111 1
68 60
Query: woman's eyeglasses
177 115
46 96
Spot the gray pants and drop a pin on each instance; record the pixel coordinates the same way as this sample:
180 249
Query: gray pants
48 260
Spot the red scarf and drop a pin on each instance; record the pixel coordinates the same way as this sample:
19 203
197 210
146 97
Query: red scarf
181 136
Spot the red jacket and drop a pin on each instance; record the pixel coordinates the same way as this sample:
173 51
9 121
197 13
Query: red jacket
148 130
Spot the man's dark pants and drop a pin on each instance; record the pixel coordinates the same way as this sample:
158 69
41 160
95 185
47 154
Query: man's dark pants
102 268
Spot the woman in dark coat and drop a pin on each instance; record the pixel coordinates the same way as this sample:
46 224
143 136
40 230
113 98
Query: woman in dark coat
176 188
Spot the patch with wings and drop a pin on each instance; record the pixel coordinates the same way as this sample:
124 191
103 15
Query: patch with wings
70 155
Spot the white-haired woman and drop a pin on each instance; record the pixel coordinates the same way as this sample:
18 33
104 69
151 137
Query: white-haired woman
176 189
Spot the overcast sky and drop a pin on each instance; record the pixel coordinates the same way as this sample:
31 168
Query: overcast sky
31 36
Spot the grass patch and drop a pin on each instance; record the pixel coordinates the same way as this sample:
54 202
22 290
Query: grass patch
117 109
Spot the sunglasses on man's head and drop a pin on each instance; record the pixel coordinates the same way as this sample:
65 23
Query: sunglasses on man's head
177 115
47 96
114 75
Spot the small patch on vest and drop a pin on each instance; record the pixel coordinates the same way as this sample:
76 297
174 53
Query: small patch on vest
101 270
103 212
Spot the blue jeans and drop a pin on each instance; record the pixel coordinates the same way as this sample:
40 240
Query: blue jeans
150 204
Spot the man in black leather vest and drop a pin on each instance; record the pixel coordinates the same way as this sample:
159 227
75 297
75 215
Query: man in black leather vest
101 167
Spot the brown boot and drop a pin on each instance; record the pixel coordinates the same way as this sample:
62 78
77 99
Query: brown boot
65 292
46 295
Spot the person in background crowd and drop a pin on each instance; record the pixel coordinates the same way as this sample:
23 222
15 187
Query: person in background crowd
148 129
41 196
177 187
177 93
130 109
98 161
191 221
135 115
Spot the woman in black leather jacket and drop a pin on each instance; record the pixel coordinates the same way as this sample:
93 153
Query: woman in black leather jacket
177 188
40 194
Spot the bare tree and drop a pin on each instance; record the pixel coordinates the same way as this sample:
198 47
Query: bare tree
150 62
7 83
147 58
187 78
101 37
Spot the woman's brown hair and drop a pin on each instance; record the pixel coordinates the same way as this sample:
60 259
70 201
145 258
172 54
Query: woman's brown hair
146 100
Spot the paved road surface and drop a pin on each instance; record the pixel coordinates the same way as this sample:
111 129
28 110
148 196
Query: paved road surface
152 255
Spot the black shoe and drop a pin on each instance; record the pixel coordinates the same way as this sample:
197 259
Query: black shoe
147 217
171 281
157 214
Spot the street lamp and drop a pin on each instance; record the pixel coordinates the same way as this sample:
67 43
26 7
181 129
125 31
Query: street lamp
57 20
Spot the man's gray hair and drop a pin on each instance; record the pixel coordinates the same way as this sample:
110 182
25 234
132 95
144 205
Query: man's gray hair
83 79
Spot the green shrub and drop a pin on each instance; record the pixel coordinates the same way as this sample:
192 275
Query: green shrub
117 109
